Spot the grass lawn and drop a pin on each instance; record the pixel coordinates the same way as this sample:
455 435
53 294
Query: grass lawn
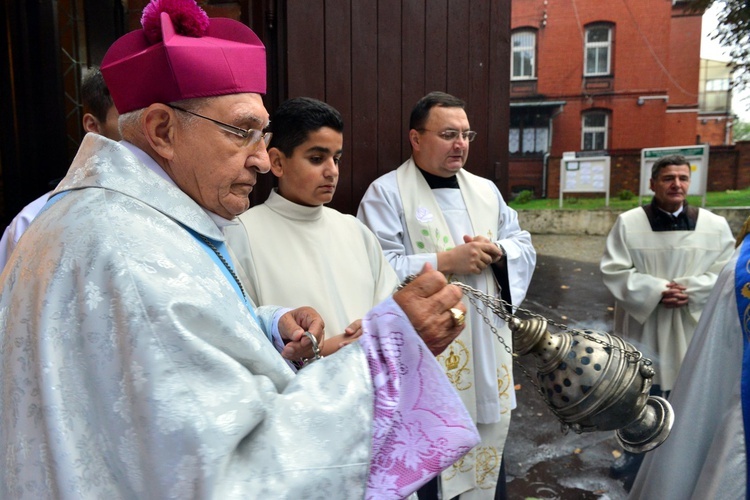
740 198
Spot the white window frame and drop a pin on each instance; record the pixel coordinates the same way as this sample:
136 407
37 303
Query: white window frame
517 51
596 47
587 129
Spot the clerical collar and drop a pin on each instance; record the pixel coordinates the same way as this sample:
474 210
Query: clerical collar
676 213
684 219
437 182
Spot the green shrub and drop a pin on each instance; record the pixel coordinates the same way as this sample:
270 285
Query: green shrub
524 197
625 194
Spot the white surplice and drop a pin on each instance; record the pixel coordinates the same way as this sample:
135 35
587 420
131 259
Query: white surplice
704 457
637 265
293 255
130 367
479 366
17 226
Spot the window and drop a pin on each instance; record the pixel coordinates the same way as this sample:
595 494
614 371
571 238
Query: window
523 48
721 85
594 131
598 50
529 132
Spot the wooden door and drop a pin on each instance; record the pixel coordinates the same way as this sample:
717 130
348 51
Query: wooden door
373 59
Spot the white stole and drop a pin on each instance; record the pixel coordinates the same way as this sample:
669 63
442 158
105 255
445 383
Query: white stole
429 233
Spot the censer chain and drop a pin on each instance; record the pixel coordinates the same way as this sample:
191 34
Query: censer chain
499 307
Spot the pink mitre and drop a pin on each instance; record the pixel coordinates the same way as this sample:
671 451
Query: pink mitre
180 54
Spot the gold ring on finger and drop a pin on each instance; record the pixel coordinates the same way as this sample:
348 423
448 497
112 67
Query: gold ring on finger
459 317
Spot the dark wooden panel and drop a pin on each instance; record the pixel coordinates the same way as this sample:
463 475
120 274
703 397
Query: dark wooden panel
338 84
305 48
374 59
457 52
436 46
499 85
32 110
413 62
105 23
391 126
364 126
478 81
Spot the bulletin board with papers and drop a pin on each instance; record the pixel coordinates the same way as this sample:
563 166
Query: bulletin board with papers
580 174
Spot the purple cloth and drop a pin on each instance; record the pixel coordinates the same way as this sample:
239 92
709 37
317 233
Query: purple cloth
420 425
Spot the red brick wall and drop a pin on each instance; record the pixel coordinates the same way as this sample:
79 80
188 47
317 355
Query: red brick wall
743 164
713 130
684 59
723 168
656 52
680 128
624 171
526 173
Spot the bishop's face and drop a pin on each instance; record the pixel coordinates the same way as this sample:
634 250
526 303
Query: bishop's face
217 168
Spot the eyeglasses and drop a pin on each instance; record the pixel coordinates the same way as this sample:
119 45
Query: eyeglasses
451 135
251 136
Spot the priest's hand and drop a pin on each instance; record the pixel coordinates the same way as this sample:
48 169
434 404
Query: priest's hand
434 308
292 328
472 257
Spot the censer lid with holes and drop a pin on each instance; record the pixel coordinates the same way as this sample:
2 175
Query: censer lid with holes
590 380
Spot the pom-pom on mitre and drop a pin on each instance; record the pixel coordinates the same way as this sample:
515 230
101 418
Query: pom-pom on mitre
187 17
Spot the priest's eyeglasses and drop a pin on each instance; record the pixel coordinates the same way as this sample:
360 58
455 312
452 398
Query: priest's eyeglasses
451 135
251 136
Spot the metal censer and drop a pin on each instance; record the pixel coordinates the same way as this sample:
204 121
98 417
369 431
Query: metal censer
592 381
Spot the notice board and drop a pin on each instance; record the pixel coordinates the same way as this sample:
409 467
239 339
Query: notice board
584 174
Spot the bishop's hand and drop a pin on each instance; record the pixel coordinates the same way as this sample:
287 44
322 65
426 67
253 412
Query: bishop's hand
434 308
295 328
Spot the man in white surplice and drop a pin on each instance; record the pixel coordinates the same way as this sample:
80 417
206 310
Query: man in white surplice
661 262
337 265
431 210
132 363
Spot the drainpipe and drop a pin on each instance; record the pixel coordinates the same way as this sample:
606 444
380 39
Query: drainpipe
728 128
545 160
544 171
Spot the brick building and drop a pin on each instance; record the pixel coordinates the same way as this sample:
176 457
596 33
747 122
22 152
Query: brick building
588 75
